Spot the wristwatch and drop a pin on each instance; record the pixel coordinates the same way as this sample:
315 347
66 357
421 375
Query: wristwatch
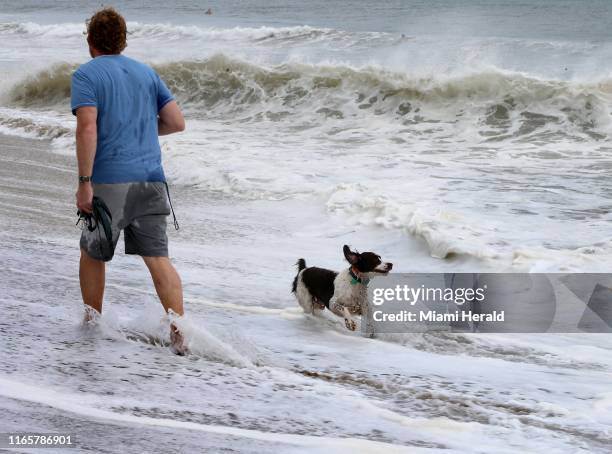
84 179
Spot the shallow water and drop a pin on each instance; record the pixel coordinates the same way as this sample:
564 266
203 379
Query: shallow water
262 377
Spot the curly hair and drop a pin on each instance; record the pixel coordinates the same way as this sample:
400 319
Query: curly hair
107 32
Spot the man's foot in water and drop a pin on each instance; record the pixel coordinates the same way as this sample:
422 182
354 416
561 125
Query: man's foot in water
177 341
91 316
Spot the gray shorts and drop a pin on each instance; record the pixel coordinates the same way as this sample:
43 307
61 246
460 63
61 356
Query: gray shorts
140 210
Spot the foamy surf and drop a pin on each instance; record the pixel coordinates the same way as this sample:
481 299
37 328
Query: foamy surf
150 328
65 402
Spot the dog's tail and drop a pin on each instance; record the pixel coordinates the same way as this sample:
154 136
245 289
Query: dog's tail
301 264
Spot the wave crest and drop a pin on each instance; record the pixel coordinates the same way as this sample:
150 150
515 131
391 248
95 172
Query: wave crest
503 105
46 88
174 32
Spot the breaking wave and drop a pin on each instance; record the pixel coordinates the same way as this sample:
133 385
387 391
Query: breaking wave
46 88
501 104
445 233
176 32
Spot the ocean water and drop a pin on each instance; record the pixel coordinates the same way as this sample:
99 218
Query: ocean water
443 135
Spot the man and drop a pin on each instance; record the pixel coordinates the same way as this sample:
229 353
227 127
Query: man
121 107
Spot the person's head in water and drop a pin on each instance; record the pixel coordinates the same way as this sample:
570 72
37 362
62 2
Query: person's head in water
106 33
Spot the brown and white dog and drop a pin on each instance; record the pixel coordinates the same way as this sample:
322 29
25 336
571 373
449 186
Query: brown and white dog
344 293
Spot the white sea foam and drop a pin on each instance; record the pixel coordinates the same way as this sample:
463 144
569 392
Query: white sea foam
78 404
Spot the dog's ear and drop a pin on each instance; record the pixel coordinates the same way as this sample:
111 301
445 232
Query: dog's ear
350 256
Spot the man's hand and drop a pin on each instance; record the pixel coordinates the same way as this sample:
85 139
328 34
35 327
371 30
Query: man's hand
84 197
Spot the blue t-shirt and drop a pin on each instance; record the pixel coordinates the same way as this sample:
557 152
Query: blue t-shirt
128 95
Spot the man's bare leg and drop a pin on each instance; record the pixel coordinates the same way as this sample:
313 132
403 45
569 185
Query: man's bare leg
91 276
167 283
170 291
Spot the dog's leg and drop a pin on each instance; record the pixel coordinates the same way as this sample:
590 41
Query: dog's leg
303 296
342 311
317 304
348 320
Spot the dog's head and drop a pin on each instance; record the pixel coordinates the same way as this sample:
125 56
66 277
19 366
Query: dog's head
367 263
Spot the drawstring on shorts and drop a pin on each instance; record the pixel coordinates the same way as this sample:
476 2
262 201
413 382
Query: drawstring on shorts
176 224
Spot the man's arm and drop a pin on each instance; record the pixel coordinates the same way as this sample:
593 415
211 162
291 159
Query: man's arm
86 141
170 119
